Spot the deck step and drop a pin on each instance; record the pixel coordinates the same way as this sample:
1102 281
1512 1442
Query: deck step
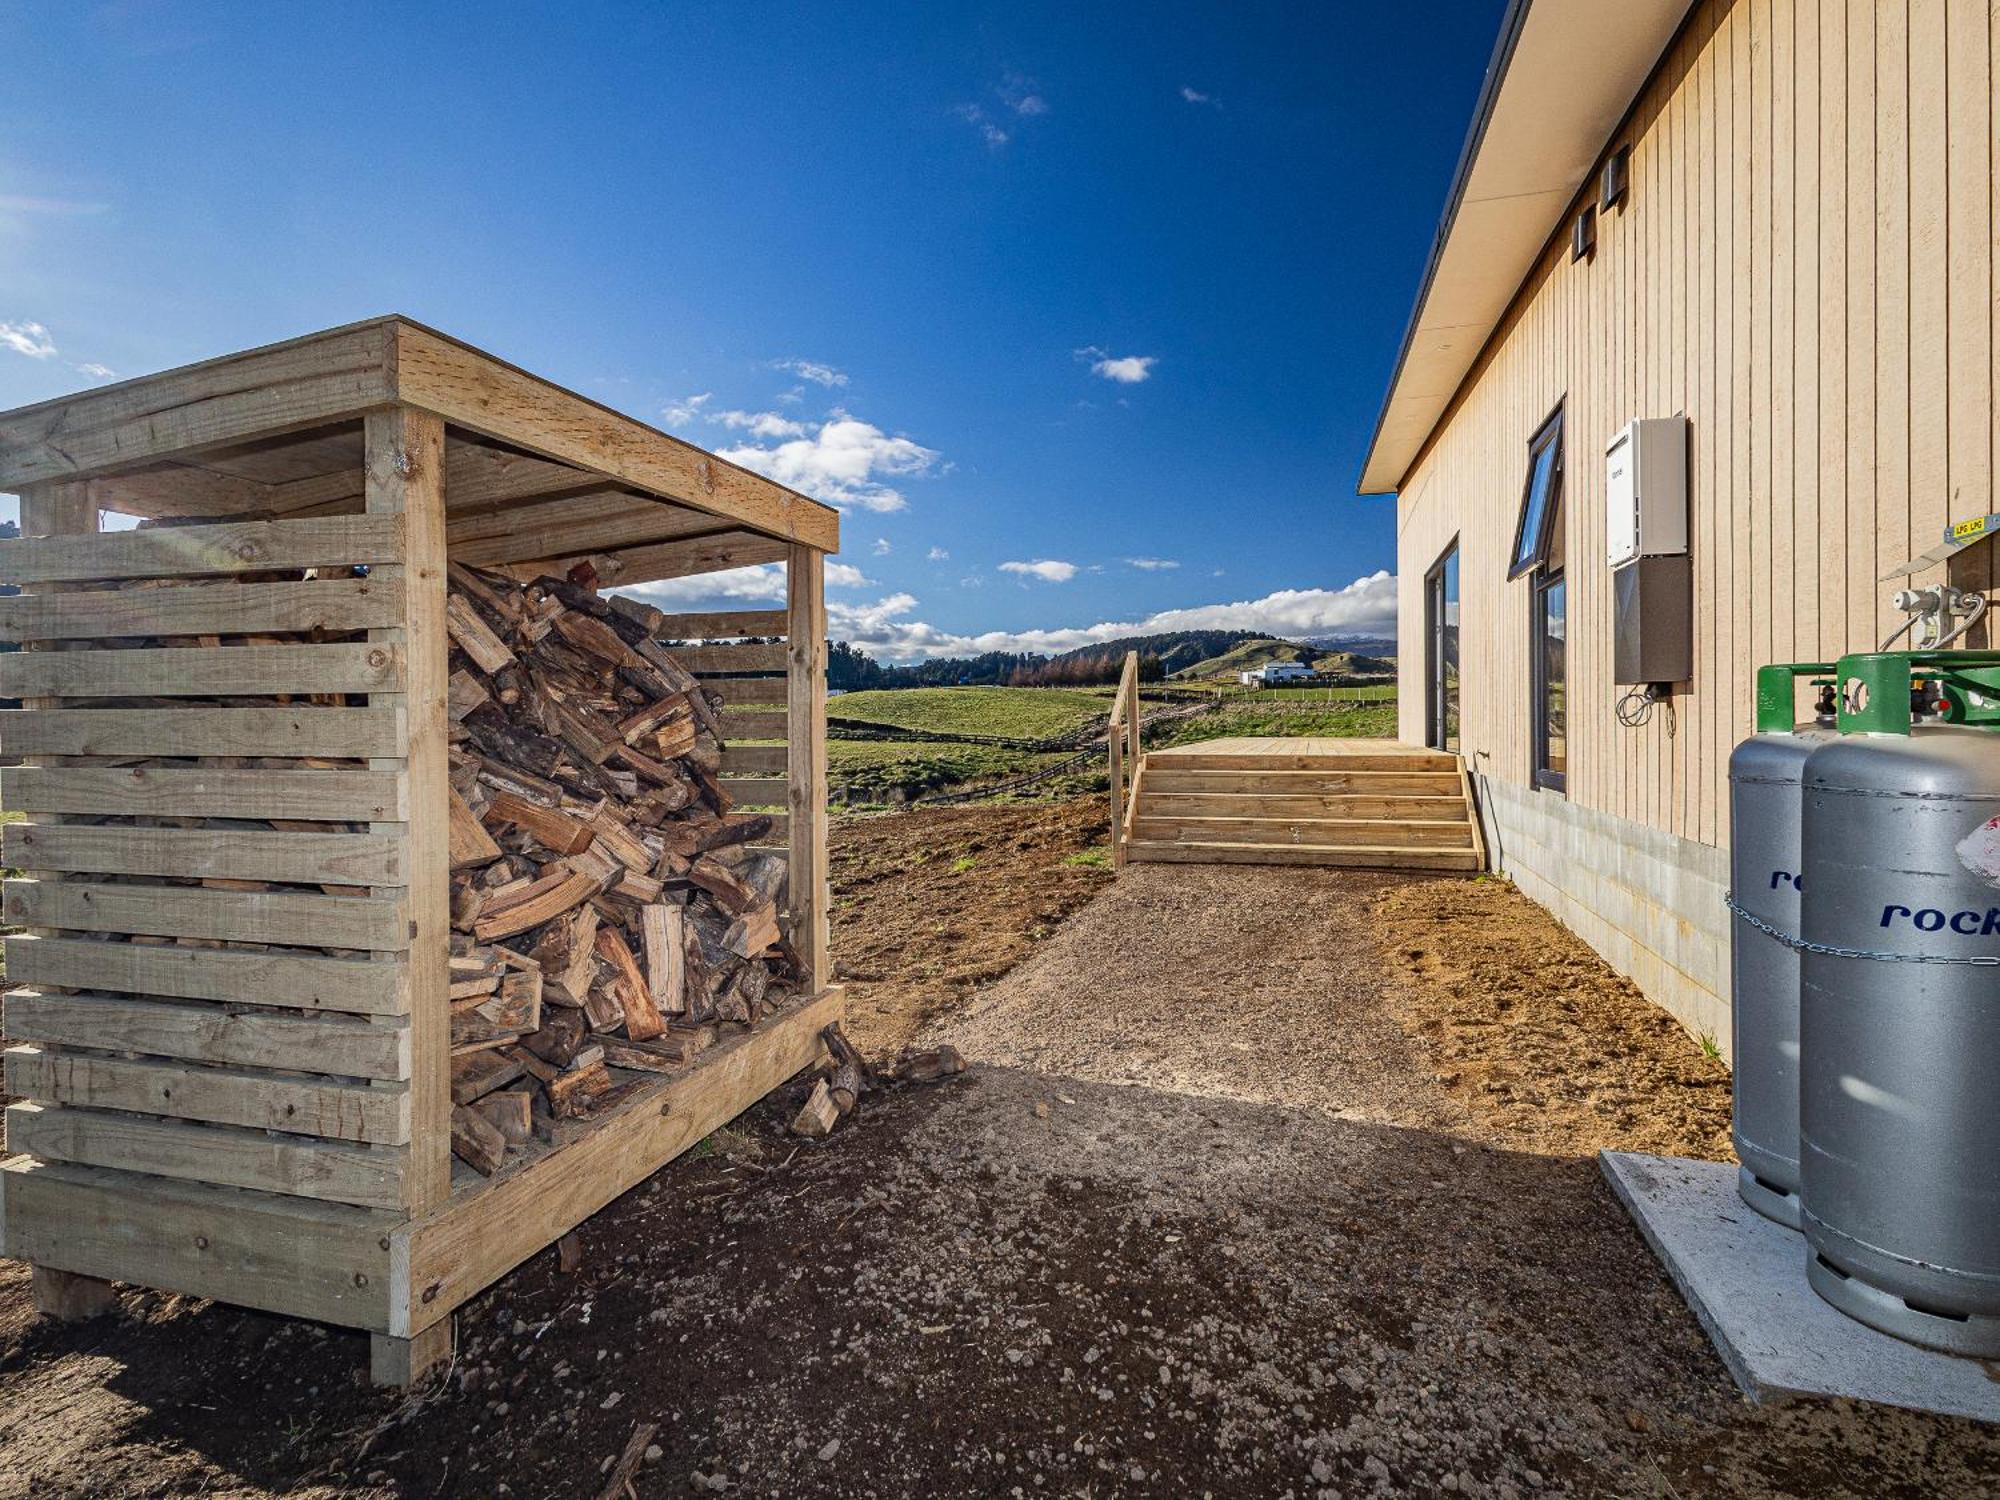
1355 856
1223 760
1233 804
1162 775
1367 832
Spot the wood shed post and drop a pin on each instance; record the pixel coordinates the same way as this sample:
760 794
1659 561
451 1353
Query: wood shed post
805 788
403 460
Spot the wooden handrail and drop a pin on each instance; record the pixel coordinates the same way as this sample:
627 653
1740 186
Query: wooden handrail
1122 742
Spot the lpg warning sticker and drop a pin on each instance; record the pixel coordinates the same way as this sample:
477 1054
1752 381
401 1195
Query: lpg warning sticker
1979 851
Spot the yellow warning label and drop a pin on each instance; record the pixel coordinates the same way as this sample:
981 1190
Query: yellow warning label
1966 530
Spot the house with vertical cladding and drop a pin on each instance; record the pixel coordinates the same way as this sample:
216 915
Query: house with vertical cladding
1702 363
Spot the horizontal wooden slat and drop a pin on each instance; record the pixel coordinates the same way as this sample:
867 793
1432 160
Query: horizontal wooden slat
682 559
191 551
737 723
286 387
715 625
211 853
762 791
327 796
464 1245
204 1032
335 733
600 520
377 923
201 672
204 609
283 1254
742 657
379 1113
299 981
330 1171
738 690
752 760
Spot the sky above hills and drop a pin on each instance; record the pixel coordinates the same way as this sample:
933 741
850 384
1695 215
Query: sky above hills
1081 313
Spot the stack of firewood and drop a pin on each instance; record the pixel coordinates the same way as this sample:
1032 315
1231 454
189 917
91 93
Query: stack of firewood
608 910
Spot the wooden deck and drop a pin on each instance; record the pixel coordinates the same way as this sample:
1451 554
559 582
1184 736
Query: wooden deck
1372 804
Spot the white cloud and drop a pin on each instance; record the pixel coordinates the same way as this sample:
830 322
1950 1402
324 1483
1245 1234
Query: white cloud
763 424
31 339
882 547
841 462
817 373
1049 570
1366 606
1196 96
974 116
762 583
1127 369
937 554
1019 94
1151 564
95 371
680 413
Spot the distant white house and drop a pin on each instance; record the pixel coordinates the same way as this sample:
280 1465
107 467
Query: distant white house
1273 673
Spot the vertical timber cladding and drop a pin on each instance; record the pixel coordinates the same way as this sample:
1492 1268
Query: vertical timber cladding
219 904
1804 265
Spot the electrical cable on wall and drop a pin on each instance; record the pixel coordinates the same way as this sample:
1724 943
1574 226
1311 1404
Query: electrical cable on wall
1635 708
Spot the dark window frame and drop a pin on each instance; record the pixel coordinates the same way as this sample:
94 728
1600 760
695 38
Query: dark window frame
1531 553
1435 734
1538 659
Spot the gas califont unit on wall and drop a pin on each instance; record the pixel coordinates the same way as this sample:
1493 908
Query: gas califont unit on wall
1645 490
1646 541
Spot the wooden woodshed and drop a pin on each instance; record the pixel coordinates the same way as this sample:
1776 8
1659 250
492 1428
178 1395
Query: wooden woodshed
207 1105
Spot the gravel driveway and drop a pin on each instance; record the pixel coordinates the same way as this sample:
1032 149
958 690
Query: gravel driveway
1199 1222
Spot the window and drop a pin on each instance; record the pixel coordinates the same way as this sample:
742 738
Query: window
1551 669
1539 551
1541 499
1441 648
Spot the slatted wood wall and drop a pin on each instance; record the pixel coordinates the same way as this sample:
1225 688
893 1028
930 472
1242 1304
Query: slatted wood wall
750 675
1806 266
217 896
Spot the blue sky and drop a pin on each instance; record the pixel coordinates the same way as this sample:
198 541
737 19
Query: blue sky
1058 286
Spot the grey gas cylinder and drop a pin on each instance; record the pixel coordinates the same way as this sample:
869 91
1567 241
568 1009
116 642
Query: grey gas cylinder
1899 1031
1765 814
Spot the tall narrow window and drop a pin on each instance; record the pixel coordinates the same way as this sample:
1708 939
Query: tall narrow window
1551 669
1539 553
1541 498
1441 647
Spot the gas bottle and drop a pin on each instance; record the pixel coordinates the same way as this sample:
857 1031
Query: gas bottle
1899 1031
1765 814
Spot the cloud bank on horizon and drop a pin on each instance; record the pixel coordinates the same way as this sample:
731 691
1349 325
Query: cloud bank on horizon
887 630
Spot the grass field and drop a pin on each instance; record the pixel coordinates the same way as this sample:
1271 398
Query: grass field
1010 713
918 767
1362 721
1373 692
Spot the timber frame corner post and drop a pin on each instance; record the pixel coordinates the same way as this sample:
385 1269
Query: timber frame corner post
231 1041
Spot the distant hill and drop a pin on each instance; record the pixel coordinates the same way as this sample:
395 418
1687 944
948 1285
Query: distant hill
1184 654
1367 645
1261 651
1247 656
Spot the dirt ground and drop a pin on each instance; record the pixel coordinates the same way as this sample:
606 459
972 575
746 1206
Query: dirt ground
1542 1042
1202 1220
930 905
